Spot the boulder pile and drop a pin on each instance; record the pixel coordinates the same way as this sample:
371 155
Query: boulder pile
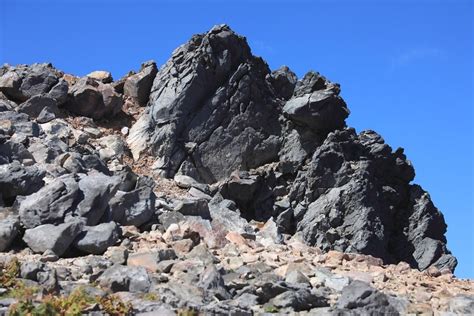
215 183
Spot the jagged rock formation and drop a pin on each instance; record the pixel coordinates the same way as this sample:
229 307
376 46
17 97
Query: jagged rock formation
214 108
216 142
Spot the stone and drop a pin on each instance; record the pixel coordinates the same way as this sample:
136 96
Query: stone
101 75
40 106
211 281
88 97
193 207
299 300
117 254
59 92
138 86
23 82
50 204
123 278
284 81
295 276
133 208
344 207
112 147
9 229
359 297
50 237
462 304
16 179
319 110
97 189
96 239
269 234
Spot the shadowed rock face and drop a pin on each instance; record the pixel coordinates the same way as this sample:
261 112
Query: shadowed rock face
241 142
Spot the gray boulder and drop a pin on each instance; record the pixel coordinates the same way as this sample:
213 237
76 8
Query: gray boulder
284 81
96 239
133 208
299 300
211 281
50 237
462 305
23 82
94 99
321 108
96 189
40 106
124 278
138 86
51 203
16 179
9 229
359 298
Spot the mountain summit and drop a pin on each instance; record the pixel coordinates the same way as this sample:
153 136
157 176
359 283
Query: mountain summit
214 184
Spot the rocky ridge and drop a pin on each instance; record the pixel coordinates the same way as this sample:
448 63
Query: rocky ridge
213 184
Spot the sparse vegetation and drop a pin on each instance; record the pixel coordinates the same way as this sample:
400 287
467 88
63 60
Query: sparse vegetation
271 309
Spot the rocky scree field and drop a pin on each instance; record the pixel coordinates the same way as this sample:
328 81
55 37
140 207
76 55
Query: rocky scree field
211 185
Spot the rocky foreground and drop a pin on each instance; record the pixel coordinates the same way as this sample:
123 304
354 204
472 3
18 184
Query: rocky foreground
209 186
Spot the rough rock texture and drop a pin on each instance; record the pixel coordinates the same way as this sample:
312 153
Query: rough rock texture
206 107
213 185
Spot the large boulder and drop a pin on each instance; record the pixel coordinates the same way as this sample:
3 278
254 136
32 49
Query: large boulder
359 298
96 239
50 237
42 107
51 203
138 86
92 98
23 82
16 179
135 207
96 190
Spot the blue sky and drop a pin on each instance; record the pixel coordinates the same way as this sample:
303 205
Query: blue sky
405 67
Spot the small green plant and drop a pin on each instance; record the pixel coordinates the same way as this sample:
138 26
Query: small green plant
150 297
71 305
271 309
9 273
21 291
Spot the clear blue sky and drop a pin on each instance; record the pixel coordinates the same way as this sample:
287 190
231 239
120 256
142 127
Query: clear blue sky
405 67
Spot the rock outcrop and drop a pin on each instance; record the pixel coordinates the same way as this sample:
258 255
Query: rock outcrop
216 185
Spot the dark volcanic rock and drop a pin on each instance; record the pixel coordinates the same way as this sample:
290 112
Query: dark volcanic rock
247 144
356 197
359 298
50 204
319 108
138 86
96 239
207 106
16 179
94 99
23 82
